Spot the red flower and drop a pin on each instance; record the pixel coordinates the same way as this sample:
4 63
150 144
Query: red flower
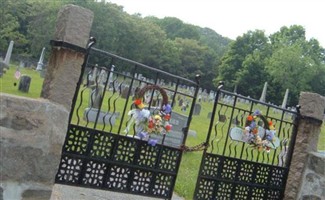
250 118
270 123
137 102
151 124
167 117
168 127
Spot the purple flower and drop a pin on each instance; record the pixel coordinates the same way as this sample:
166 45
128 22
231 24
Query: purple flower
142 135
152 142
167 108
270 135
252 125
257 112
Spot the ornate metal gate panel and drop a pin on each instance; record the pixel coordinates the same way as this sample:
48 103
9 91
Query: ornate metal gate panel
250 149
103 148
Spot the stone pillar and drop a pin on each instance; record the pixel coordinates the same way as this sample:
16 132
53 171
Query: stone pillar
67 55
309 128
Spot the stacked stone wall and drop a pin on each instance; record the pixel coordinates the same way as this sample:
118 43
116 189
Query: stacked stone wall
32 135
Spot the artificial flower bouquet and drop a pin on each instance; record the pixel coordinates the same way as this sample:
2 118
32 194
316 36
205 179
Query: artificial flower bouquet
262 138
147 122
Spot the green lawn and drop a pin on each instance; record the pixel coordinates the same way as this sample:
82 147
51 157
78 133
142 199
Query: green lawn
186 179
9 84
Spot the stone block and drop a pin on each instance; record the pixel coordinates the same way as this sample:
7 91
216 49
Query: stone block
74 25
32 135
36 194
312 105
317 163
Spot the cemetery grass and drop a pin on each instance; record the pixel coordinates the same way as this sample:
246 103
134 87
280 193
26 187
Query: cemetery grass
9 84
188 172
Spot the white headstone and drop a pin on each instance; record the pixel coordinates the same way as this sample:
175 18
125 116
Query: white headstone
263 96
110 78
9 51
40 62
285 99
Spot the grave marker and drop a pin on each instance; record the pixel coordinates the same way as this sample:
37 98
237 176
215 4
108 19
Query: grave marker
104 117
175 137
197 109
40 62
263 96
285 99
8 54
24 83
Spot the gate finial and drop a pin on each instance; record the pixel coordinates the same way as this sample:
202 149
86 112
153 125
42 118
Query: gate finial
91 42
221 84
198 78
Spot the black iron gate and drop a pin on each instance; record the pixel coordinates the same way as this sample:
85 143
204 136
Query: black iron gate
250 149
104 148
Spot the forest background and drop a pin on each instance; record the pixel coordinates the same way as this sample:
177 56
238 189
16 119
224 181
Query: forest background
284 59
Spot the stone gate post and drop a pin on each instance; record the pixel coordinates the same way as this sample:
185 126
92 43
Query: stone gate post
67 55
309 128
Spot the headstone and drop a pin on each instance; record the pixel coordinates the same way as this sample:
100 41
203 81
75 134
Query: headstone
40 62
235 121
90 115
3 67
285 99
175 137
102 77
8 54
222 118
209 115
24 83
235 89
197 109
155 102
93 75
192 133
110 78
95 96
125 92
180 102
211 95
263 96
21 64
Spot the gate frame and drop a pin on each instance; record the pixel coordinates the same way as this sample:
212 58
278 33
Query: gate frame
82 168
212 165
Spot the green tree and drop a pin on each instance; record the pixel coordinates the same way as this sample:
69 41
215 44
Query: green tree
13 24
285 65
175 28
293 56
251 77
232 67
41 24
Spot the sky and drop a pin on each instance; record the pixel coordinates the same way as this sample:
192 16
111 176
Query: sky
233 18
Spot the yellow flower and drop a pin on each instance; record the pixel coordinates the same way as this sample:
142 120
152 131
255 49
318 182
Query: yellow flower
157 117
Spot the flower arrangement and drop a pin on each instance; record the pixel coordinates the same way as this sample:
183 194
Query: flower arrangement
252 133
150 122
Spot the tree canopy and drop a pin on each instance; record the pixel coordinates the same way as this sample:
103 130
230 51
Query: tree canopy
285 59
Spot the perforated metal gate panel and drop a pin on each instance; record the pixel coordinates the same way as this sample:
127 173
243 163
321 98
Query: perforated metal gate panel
102 148
233 168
